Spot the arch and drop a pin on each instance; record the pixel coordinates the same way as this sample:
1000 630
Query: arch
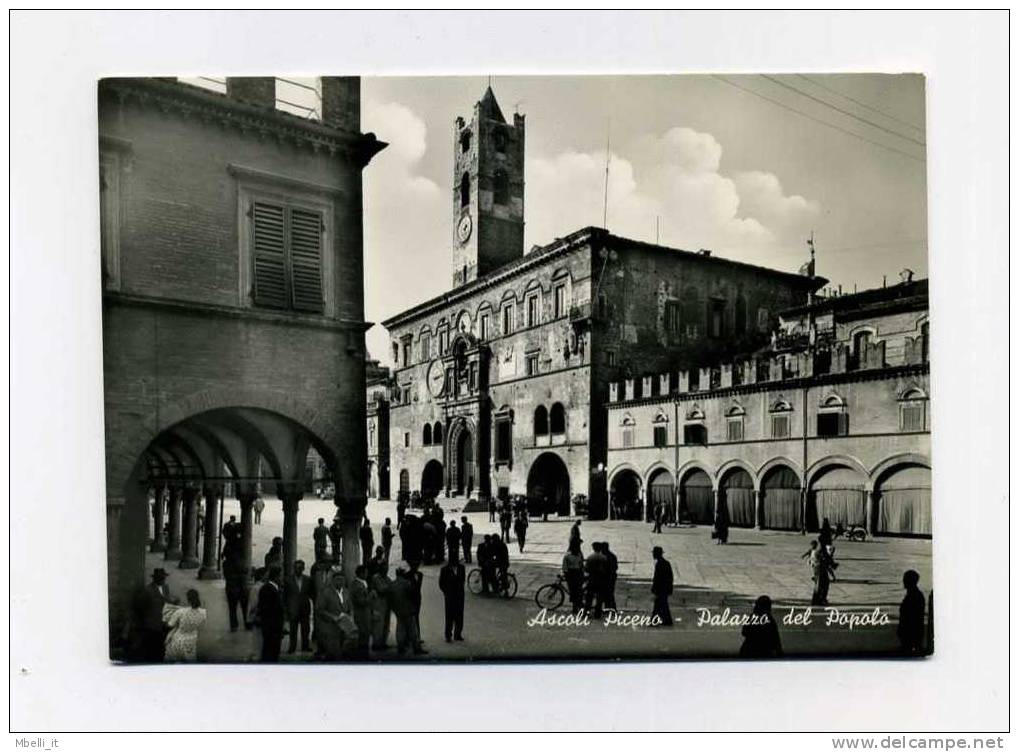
736 410
432 479
832 401
557 418
781 405
540 421
837 490
501 188
461 437
912 392
902 499
661 489
736 494
437 433
626 494
774 462
404 481
548 485
727 467
890 463
465 190
695 413
696 494
781 487
426 435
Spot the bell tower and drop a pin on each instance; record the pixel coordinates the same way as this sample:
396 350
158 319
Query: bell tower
488 191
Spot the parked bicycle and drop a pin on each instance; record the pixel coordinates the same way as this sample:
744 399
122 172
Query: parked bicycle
507 588
853 532
552 595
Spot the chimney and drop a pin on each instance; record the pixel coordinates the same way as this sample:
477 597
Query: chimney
257 90
341 102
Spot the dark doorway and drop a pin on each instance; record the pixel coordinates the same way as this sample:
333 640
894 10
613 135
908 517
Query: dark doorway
624 495
432 479
548 485
696 498
464 454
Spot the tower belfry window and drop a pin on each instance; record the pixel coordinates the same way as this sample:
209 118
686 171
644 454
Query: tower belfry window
465 190
501 196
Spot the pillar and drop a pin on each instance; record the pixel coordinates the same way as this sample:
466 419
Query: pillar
246 499
872 502
716 496
210 554
189 529
173 551
158 516
291 500
758 510
803 511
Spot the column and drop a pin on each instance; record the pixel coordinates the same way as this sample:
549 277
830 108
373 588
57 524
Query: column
758 510
173 544
210 553
246 499
189 529
351 512
158 516
872 502
803 511
291 500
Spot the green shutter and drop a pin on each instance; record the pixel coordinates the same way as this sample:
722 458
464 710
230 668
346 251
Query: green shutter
306 260
269 256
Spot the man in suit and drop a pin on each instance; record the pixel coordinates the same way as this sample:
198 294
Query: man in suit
453 538
367 541
387 538
659 517
149 629
451 583
466 537
321 537
297 592
235 576
336 538
271 615
661 587
401 603
361 610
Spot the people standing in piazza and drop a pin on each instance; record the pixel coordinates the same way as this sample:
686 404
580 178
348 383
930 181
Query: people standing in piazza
258 507
721 530
361 610
661 587
659 517
320 535
491 509
416 580
817 560
379 584
297 592
573 572
387 538
466 537
613 569
487 564
401 508
453 541
333 622
147 632
336 538
520 529
235 579
760 636
575 534
505 521
271 614
401 602
451 582
184 623
911 615
231 536
367 541
274 556
597 568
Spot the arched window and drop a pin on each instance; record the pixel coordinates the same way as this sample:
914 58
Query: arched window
781 419
501 189
437 433
465 190
913 410
465 141
628 428
426 434
694 431
541 421
734 423
832 418
660 429
557 418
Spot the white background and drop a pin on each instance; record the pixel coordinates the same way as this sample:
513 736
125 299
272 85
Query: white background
60 676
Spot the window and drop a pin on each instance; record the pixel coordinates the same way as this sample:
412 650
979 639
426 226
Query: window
405 398
763 320
610 358
861 341
483 327
673 318
406 438
532 310
501 188
695 433
286 251
734 429
559 301
627 437
780 426
504 437
443 341
540 421
405 351
716 317
532 364
832 424
426 435
396 352
913 411
437 433
426 346
465 190
557 418
507 318
661 435
465 141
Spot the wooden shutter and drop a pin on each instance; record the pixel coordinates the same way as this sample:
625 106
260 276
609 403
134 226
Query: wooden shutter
306 260
269 252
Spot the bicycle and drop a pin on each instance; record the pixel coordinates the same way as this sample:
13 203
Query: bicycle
507 588
552 595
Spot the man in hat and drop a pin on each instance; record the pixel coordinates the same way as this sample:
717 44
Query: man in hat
401 602
451 583
336 538
149 629
466 537
271 614
661 587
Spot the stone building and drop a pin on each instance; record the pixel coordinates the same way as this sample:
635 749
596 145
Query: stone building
499 385
377 384
233 318
831 419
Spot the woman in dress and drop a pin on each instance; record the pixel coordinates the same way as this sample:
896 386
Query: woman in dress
184 623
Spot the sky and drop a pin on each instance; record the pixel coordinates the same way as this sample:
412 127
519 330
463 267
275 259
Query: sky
747 166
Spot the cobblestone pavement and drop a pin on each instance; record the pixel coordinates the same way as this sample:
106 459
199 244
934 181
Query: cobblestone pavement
707 576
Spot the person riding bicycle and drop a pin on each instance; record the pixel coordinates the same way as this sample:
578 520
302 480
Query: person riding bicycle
500 559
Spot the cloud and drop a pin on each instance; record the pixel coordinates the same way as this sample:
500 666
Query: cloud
677 177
